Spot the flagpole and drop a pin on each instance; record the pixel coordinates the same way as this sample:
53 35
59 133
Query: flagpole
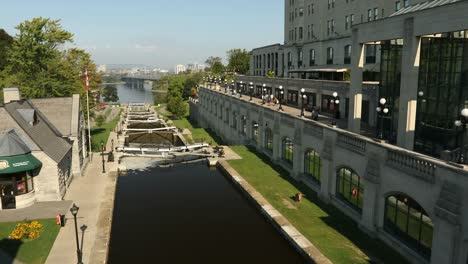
89 123
89 127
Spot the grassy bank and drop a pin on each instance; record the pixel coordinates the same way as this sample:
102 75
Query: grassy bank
198 133
332 232
101 133
30 252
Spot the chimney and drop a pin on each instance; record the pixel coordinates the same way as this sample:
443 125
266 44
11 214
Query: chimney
10 94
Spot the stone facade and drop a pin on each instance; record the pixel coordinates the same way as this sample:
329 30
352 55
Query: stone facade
438 187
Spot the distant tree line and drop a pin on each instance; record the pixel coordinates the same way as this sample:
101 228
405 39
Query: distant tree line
36 61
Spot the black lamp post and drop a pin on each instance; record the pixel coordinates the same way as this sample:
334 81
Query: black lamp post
303 96
251 90
382 110
263 94
336 106
281 94
102 155
241 88
462 123
225 87
74 211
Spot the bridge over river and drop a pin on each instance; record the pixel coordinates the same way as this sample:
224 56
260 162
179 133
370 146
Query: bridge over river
137 80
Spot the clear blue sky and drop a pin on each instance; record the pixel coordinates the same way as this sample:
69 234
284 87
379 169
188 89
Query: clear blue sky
157 32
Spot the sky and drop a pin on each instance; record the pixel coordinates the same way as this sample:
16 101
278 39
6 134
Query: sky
156 32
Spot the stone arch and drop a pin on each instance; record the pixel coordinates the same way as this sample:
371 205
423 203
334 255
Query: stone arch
350 187
287 150
408 221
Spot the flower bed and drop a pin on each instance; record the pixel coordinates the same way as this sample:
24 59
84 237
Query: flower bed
26 230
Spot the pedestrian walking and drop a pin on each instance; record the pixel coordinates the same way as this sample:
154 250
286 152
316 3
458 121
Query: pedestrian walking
315 114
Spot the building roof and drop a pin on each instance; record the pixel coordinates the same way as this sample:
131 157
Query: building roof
58 111
42 132
422 6
12 145
8 123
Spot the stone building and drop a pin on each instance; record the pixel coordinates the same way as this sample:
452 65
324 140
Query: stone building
54 133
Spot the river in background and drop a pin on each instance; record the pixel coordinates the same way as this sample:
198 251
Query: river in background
189 214
128 94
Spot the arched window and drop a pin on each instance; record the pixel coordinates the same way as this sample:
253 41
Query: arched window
287 150
349 188
255 132
407 220
312 165
244 125
269 139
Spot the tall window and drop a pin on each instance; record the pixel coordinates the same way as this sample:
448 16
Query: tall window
312 164
287 150
349 188
352 19
346 22
234 121
269 139
289 59
300 58
300 33
376 13
407 220
255 132
397 5
244 125
369 15
347 54
371 52
311 57
329 55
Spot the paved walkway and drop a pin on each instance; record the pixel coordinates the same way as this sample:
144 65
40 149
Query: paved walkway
41 210
324 119
91 193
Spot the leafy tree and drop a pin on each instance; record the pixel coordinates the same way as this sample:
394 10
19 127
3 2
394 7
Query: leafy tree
212 60
217 68
6 42
238 61
177 107
100 119
35 57
110 93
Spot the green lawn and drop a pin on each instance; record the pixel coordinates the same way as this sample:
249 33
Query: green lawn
332 232
101 134
29 252
198 133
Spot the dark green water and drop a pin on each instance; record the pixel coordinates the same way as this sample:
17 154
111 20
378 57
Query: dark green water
190 214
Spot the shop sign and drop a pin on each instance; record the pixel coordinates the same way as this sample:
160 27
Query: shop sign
4 164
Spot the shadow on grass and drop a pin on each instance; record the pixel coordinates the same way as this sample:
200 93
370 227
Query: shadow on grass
95 131
375 249
9 249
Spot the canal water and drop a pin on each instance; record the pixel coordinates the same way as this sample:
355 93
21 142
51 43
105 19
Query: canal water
128 94
189 214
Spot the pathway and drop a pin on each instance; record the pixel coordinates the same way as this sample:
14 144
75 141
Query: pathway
93 193
41 210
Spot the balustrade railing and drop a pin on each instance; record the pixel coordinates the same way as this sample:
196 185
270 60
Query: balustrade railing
351 143
411 164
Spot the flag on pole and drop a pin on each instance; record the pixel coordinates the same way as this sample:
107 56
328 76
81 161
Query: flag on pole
87 80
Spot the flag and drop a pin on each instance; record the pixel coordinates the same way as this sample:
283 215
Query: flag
87 80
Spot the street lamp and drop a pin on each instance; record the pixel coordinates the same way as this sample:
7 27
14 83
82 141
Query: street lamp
225 87
382 110
241 89
263 94
112 142
281 94
251 87
303 96
102 155
74 212
462 123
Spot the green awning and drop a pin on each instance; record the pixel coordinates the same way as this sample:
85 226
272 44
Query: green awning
18 163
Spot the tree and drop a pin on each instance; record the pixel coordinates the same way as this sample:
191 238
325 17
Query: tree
177 107
6 42
238 61
217 68
212 60
110 93
100 119
270 74
35 57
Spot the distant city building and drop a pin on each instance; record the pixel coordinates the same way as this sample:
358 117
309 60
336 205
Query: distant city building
195 67
102 68
179 68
